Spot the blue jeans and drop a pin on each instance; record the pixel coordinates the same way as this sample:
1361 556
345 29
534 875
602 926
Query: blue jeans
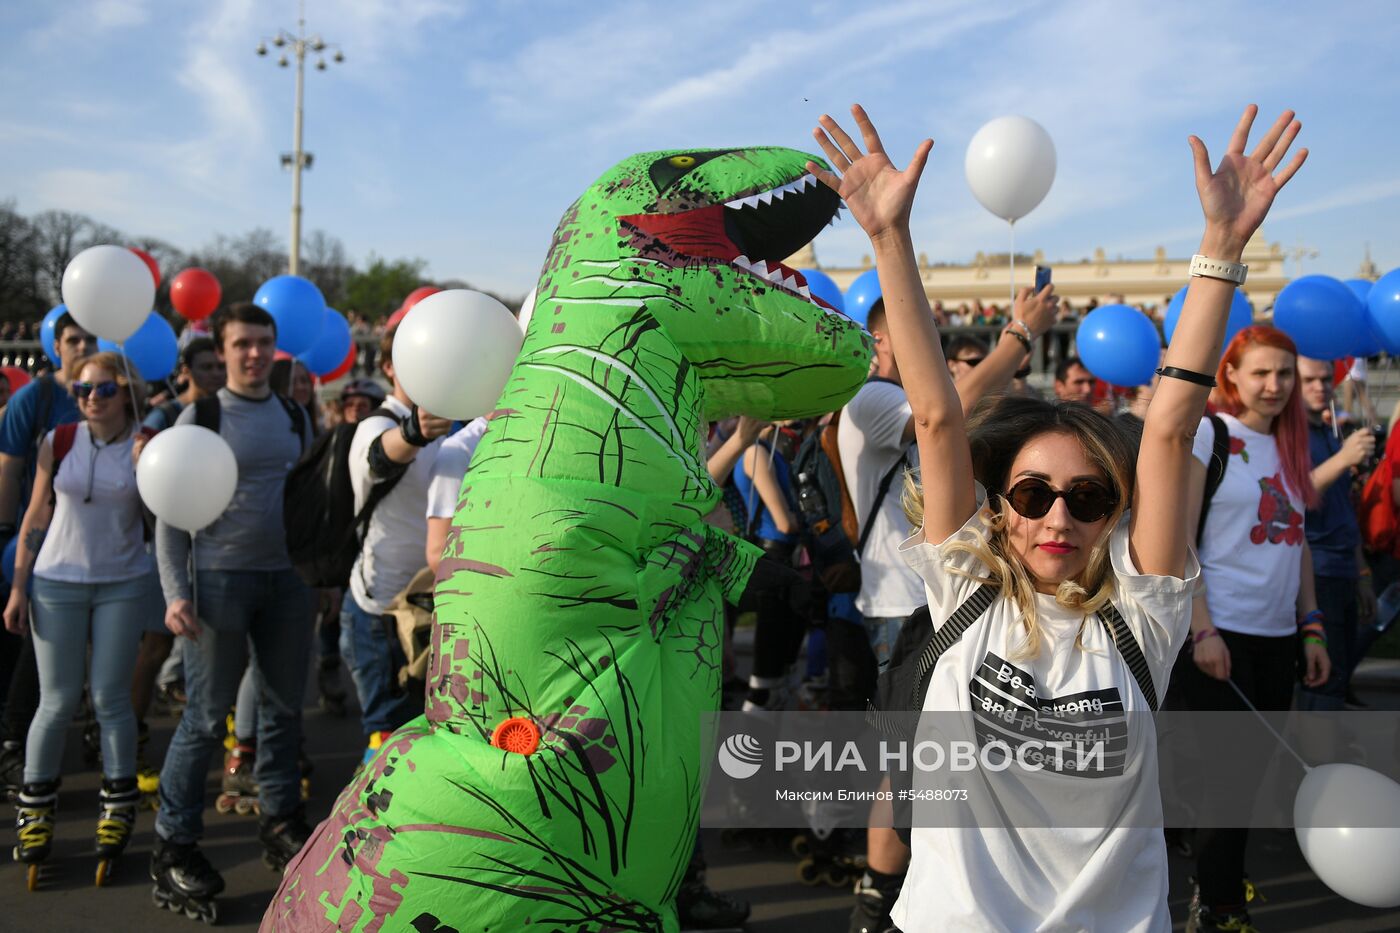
373 659
66 616
271 609
1336 599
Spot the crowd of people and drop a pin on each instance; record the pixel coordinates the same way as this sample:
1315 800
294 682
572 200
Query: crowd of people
224 625
1043 497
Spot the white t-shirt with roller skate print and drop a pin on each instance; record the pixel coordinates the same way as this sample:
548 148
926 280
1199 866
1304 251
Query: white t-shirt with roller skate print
1252 550
1027 874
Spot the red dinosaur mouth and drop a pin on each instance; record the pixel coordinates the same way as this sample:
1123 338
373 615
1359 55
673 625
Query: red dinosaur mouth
751 233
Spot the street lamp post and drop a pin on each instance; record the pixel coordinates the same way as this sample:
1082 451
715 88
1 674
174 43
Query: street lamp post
300 43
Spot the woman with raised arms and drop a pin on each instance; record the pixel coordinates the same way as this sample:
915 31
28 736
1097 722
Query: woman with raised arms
1082 539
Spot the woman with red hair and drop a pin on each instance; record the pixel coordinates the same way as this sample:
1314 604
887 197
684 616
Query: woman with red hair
1257 598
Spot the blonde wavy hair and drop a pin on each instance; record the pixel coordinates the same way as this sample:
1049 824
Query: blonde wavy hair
135 386
997 431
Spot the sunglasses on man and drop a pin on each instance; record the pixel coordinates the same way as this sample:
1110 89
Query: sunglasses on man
1087 501
106 389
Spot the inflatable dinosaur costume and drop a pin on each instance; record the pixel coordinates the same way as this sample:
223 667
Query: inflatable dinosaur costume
555 780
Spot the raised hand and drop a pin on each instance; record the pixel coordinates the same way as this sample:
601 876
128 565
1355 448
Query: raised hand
879 195
1236 197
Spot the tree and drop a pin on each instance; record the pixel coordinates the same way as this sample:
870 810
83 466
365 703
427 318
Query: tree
378 291
59 236
242 264
323 261
19 267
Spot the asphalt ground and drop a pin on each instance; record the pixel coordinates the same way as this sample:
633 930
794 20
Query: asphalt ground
764 873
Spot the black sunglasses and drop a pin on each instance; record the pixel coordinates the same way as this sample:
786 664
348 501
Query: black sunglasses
969 360
106 389
1087 501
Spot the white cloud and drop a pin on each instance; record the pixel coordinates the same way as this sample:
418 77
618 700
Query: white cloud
89 21
110 193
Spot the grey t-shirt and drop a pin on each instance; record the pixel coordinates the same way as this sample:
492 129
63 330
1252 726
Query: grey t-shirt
250 534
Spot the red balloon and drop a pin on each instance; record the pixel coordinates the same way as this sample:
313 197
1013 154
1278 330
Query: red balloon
417 295
195 293
1341 369
344 367
150 262
17 377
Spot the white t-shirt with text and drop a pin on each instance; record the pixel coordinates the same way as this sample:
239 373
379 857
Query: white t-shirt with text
1252 549
1106 877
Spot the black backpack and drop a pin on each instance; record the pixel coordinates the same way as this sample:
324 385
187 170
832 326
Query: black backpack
833 534
900 692
324 533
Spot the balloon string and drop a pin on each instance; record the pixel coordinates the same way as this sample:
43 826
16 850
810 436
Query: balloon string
1306 767
194 578
135 413
1011 309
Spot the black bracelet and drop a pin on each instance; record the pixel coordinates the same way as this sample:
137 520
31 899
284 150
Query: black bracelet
1025 342
410 430
1186 375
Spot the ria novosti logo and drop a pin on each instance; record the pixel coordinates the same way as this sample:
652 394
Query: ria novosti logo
740 756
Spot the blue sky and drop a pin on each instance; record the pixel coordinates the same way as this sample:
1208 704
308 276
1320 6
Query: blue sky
459 131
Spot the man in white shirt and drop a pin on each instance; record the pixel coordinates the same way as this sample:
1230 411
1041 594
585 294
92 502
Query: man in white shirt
399 450
445 486
876 440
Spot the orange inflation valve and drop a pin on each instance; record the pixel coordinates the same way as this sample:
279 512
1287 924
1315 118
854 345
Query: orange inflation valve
518 735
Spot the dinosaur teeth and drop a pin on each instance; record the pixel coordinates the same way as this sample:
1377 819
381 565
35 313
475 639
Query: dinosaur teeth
804 291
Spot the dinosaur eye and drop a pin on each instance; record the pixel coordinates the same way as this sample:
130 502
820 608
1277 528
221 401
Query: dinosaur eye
682 161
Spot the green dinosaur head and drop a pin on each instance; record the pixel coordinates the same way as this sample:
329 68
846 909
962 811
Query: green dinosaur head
697 237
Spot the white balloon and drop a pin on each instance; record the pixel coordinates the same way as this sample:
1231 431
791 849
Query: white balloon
527 311
186 476
453 353
109 291
1010 166
1335 816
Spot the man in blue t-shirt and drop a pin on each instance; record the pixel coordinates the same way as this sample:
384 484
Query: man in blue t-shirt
33 412
1343 581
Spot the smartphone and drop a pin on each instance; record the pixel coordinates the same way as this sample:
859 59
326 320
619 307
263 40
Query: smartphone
1042 278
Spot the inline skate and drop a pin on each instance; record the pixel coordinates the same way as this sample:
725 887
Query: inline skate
185 882
116 816
34 827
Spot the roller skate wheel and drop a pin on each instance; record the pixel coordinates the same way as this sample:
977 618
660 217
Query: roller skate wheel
836 877
808 873
801 845
32 881
245 806
104 871
224 805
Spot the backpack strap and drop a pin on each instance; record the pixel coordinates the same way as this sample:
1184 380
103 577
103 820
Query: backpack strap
909 690
298 416
63 437
880 494
1127 644
1215 471
208 412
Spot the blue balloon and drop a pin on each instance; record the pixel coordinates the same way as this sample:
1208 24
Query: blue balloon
1324 317
1119 345
1368 344
863 293
1383 310
1362 287
331 346
153 350
46 333
298 308
1241 315
822 286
